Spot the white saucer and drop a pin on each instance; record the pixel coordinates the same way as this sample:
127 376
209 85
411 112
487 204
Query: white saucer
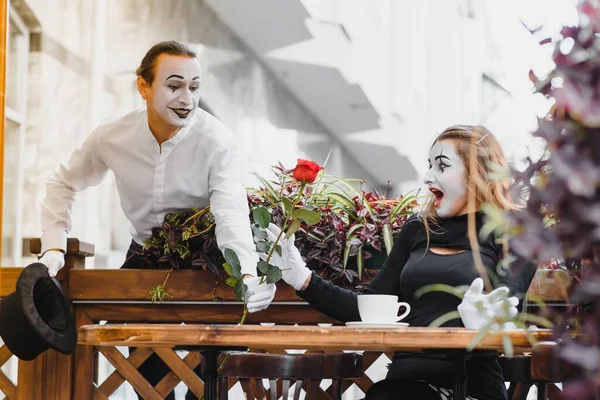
360 324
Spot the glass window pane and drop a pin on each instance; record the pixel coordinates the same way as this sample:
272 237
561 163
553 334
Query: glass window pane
11 140
14 74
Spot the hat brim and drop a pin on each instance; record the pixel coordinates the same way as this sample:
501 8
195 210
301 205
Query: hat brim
46 308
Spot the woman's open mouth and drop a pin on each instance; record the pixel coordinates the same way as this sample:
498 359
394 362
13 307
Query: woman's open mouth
439 195
181 112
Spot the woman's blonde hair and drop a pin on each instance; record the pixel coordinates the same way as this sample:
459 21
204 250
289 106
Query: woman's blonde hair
481 154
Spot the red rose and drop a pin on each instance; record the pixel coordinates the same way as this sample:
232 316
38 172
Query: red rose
306 171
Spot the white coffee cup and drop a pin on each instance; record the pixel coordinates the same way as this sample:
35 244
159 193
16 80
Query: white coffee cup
380 308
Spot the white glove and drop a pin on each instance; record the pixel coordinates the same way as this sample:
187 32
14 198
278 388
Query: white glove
259 295
477 309
54 261
293 269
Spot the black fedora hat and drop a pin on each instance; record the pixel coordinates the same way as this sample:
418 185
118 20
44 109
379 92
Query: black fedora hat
37 316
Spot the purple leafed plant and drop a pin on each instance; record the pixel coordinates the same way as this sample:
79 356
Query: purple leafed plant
565 184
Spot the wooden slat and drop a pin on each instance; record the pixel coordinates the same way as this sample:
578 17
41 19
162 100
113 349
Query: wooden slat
98 394
58 372
168 383
8 279
7 387
83 362
181 369
205 313
299 337
115 379
5 355
187 285
29 385
75 247
134 284
131 374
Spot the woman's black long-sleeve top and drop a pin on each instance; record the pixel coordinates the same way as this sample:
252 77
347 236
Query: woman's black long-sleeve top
412 265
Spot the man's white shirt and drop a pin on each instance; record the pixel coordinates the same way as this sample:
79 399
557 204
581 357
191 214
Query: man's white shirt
200 165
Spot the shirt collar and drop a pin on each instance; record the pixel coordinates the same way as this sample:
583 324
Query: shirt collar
172 142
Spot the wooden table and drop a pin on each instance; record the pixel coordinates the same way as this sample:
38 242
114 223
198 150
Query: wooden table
210 339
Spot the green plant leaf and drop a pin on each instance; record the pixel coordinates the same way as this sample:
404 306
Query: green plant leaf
359 262
536 319
287 204
232 281
261 217
347 250
269 188
480 335
262 246
295 225
442 319
310 217
406 201
240 290
353 229
388 238
439 287
273 274
263 267
233 260
258 232
227 269
508 346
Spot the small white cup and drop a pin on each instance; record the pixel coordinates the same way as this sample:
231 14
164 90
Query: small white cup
380 308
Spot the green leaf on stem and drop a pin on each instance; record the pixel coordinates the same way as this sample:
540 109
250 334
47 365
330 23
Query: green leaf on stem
263 267
263 246
287 204
310 217
232 281
262 216
388 238
259 233
233 260
294 226
240 290
227 269
273 274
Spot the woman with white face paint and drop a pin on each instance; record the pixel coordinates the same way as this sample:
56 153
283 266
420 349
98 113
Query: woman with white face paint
433 247
167 157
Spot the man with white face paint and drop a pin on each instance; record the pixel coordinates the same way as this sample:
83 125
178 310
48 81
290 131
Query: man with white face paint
167 157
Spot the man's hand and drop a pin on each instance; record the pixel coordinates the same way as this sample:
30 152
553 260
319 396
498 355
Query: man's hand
293 269
54 260
478 310
259 295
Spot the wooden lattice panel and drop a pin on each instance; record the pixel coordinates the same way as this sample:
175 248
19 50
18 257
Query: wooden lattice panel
6 386
182 370
126 370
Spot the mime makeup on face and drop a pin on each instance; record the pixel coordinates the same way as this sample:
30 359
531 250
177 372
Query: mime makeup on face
446 179
173 97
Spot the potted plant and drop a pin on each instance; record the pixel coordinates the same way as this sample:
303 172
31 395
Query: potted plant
564 189
342 231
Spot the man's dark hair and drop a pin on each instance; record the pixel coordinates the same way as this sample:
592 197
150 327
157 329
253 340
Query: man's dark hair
171 47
